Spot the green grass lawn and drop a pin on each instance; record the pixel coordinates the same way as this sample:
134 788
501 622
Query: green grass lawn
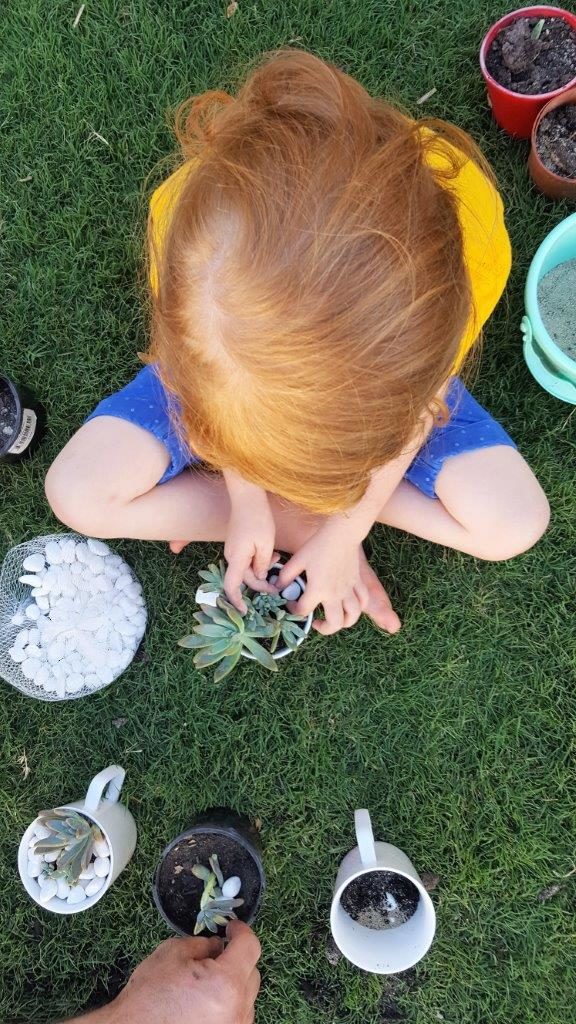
458 734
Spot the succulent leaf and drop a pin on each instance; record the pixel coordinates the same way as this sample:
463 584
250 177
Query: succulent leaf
215 865
201 872
261 654
226 666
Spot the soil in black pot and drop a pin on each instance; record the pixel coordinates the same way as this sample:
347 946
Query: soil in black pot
556 141
556 292
8 414
380 899
531 66
180 891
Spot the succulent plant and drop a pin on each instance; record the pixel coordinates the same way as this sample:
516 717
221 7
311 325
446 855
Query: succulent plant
221 633
215 909
71 837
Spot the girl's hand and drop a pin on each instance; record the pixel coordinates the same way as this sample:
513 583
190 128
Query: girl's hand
332 563
249 548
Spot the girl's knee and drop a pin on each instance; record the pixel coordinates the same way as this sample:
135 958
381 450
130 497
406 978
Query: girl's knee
519 526
76 497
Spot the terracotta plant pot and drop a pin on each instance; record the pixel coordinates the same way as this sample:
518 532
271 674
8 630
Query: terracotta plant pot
552 184
516 112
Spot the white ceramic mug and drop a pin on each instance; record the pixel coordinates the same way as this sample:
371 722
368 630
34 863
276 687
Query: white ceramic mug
101 806
392 949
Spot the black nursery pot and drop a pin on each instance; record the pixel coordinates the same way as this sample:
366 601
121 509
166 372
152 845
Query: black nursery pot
237 843
22 421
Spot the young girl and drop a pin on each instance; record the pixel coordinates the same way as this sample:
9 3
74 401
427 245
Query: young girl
320 267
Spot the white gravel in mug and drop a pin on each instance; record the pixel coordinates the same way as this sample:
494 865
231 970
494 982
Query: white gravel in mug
85 620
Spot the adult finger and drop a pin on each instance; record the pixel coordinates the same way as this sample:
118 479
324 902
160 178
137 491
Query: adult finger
232 585
190 948
333 619
352 611
243 950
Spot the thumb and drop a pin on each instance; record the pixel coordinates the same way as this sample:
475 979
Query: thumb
201 949
290 571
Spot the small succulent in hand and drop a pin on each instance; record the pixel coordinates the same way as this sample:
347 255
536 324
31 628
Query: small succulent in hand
72 836
272 608
213 578
215 909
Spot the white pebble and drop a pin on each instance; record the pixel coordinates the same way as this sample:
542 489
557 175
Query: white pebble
101 848
21 638
43 603
88 874
231 887
134 590
94 886
292 592
60 689
50 685
34 867
30 667
44 878
17 654
48 890
42 676
74 683
92 681
102 867
31 581
77 894
56 651
68 551
33 635
34 563
52 856
33 612
18 619
33 651
33 857
105 675
123 581
63 891
53 552
41 832
98 547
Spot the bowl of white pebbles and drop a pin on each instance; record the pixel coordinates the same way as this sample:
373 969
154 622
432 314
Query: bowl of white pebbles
72 616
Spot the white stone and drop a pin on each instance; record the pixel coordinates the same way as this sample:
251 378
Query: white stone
134 590
77 894
31 581
74 683
123 581
76 569
33 612
18 654
292 592
30 667
42 676
63 890
95 886
53 552
18 619
33 635
101 848
34 563
60 689
44 879
33 651
68 551
52 856
88 874
34 867
48 890
43 603
50 685
231 887
92 681
98 547
56 651
102 867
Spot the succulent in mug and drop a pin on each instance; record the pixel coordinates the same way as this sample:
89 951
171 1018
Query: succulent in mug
216 908
69 842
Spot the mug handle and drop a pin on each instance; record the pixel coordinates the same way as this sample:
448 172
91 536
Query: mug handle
111 778
365 838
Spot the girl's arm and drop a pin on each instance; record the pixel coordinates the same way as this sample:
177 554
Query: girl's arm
249 547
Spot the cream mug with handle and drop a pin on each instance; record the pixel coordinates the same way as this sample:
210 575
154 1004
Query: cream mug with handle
101 806
389 950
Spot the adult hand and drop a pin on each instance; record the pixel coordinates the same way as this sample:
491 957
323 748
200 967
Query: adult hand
190 981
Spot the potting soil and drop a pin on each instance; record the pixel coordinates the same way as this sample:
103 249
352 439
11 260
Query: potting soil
179 890
7 414
556 140
530 66
556 301
380 899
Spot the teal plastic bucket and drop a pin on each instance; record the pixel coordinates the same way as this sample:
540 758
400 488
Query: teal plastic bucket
548 364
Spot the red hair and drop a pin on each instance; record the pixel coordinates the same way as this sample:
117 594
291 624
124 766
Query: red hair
312 293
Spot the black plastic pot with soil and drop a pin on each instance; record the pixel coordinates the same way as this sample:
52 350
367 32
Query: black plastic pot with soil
235 842
22 421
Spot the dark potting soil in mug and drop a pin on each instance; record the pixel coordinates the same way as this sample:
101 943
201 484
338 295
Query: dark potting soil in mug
531 66
380 899
8 414
556 141
557 305
180 891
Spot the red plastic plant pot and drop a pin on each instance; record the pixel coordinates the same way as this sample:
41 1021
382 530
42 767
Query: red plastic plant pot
516 112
